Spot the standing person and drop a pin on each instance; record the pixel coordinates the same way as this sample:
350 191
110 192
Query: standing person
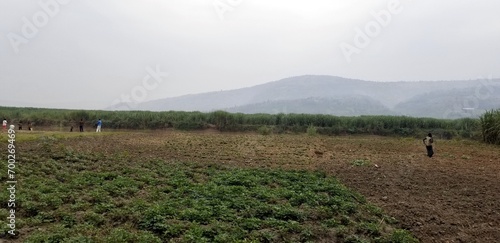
20 125
4 124
81 125
99 124
29 127
428 144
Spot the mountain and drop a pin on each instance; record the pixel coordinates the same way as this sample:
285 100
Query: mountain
341 96
341 106
454 103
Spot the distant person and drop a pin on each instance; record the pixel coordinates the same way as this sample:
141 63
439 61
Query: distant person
428 141
30 128
4 124
71 129
99 124
81 125
20 126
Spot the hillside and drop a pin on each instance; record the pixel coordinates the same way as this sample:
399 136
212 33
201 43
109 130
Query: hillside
342 106
454 103
340 96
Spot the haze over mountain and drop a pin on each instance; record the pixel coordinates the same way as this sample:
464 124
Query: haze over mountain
320 94
93 54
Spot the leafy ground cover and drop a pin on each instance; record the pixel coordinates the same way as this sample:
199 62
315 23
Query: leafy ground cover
113 188
104 187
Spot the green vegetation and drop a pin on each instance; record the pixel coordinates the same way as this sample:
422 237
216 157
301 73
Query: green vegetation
224 121
360 162
264 130
312 131
490 126
74 195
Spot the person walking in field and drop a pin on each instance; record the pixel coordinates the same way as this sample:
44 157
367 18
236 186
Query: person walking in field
99 124
428 141
81 125
4 124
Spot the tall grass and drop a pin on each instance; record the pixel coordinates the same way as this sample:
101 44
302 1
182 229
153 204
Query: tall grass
224 121
490 126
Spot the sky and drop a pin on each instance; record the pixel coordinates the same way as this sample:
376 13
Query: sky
92 54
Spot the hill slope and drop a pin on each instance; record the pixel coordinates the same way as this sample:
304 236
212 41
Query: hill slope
332 95
342 106
454 103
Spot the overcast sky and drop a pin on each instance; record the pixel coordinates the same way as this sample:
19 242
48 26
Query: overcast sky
89 54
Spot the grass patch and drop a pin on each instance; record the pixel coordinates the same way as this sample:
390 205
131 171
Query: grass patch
360 162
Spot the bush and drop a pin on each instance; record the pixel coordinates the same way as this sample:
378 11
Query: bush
311 130
264 130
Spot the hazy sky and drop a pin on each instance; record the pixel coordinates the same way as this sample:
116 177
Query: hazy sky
89 54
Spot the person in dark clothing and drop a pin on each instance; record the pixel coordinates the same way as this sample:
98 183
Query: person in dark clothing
20 125
428 141
81 125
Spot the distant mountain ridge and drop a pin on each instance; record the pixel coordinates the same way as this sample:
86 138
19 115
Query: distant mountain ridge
342 106
321 94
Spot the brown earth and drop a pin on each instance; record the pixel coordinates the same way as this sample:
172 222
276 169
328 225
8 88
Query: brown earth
453 197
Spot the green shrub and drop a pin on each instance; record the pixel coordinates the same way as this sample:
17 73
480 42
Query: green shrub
264 130
311 130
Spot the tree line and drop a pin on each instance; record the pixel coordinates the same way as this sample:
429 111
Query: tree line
486 127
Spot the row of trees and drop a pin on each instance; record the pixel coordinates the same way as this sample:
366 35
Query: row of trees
278 123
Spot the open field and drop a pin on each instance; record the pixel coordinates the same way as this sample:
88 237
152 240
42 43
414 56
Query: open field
196 186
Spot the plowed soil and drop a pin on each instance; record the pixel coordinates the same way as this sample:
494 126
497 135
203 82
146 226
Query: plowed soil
452 197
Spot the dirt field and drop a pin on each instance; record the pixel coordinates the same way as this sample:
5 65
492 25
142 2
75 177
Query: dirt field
453 197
